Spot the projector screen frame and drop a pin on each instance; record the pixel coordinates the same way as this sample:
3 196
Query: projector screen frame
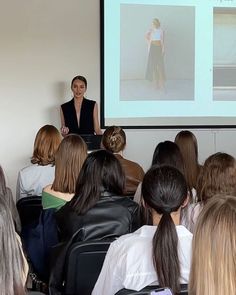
102 93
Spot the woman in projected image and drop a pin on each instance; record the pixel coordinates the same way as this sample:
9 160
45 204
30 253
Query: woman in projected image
155 65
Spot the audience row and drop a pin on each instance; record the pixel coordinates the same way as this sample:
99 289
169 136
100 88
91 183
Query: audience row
153 217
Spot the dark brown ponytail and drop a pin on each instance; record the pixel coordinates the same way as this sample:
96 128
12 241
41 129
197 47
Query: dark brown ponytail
165 253
164 189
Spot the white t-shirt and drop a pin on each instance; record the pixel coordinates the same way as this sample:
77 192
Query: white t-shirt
129 263
32 179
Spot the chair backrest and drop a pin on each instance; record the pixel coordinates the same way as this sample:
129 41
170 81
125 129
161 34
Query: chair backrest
148 289
29 209
83 265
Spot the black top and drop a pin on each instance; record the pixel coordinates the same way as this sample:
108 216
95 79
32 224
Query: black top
85 125
112 216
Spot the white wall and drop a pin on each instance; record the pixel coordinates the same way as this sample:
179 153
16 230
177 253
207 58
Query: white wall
43 45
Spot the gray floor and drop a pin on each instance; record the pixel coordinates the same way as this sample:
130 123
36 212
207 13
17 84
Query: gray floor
145 90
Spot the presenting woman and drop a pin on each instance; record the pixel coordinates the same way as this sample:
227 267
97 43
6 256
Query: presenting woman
155 66
79 115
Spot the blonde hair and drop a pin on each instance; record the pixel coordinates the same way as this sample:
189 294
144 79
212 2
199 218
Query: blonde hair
114 139
156 22
69 159
46 144
213 266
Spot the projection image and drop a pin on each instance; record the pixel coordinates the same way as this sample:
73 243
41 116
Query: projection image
168 63
157 52
224 54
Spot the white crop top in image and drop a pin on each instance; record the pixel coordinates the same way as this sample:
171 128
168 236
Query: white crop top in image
156 34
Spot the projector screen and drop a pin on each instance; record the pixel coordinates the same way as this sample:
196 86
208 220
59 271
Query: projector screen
168 63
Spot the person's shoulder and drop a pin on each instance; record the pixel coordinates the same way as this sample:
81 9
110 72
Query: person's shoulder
36 169
183 232
89 101
67 103
138 240
132 164
28 169
125 241
48 189
128 204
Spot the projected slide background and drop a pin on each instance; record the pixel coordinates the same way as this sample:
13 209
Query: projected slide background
178 62
199 60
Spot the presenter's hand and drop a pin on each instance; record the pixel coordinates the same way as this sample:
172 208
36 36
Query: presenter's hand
64 131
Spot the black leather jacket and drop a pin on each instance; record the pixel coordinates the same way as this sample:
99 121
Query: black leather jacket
111 217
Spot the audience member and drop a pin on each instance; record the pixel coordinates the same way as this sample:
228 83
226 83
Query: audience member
217 176
14 267
32 179
158 254
213 266
187 144
114 140
6 194
99 207
166 153
69 159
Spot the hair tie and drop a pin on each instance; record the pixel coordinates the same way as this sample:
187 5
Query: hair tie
167 210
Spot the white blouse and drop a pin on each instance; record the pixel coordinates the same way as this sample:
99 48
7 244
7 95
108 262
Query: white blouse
129 262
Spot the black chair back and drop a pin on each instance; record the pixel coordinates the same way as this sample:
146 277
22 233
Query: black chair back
148 289
29 209
83 265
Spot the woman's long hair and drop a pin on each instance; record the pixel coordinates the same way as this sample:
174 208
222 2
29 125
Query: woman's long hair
165 153
168 153
69 159
164 190
187 144
3 188
101 172
218 176
11 259
213 266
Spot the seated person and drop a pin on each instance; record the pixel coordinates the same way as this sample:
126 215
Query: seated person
166 153
68 161
114 140
14 267
98 208
187 143
213 266
32 179
157 254
217 176
6 194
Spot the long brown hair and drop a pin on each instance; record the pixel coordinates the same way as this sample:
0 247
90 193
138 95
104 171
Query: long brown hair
218 176
12 262
164 190
187 144
213 266
101 172
68 161
45 145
